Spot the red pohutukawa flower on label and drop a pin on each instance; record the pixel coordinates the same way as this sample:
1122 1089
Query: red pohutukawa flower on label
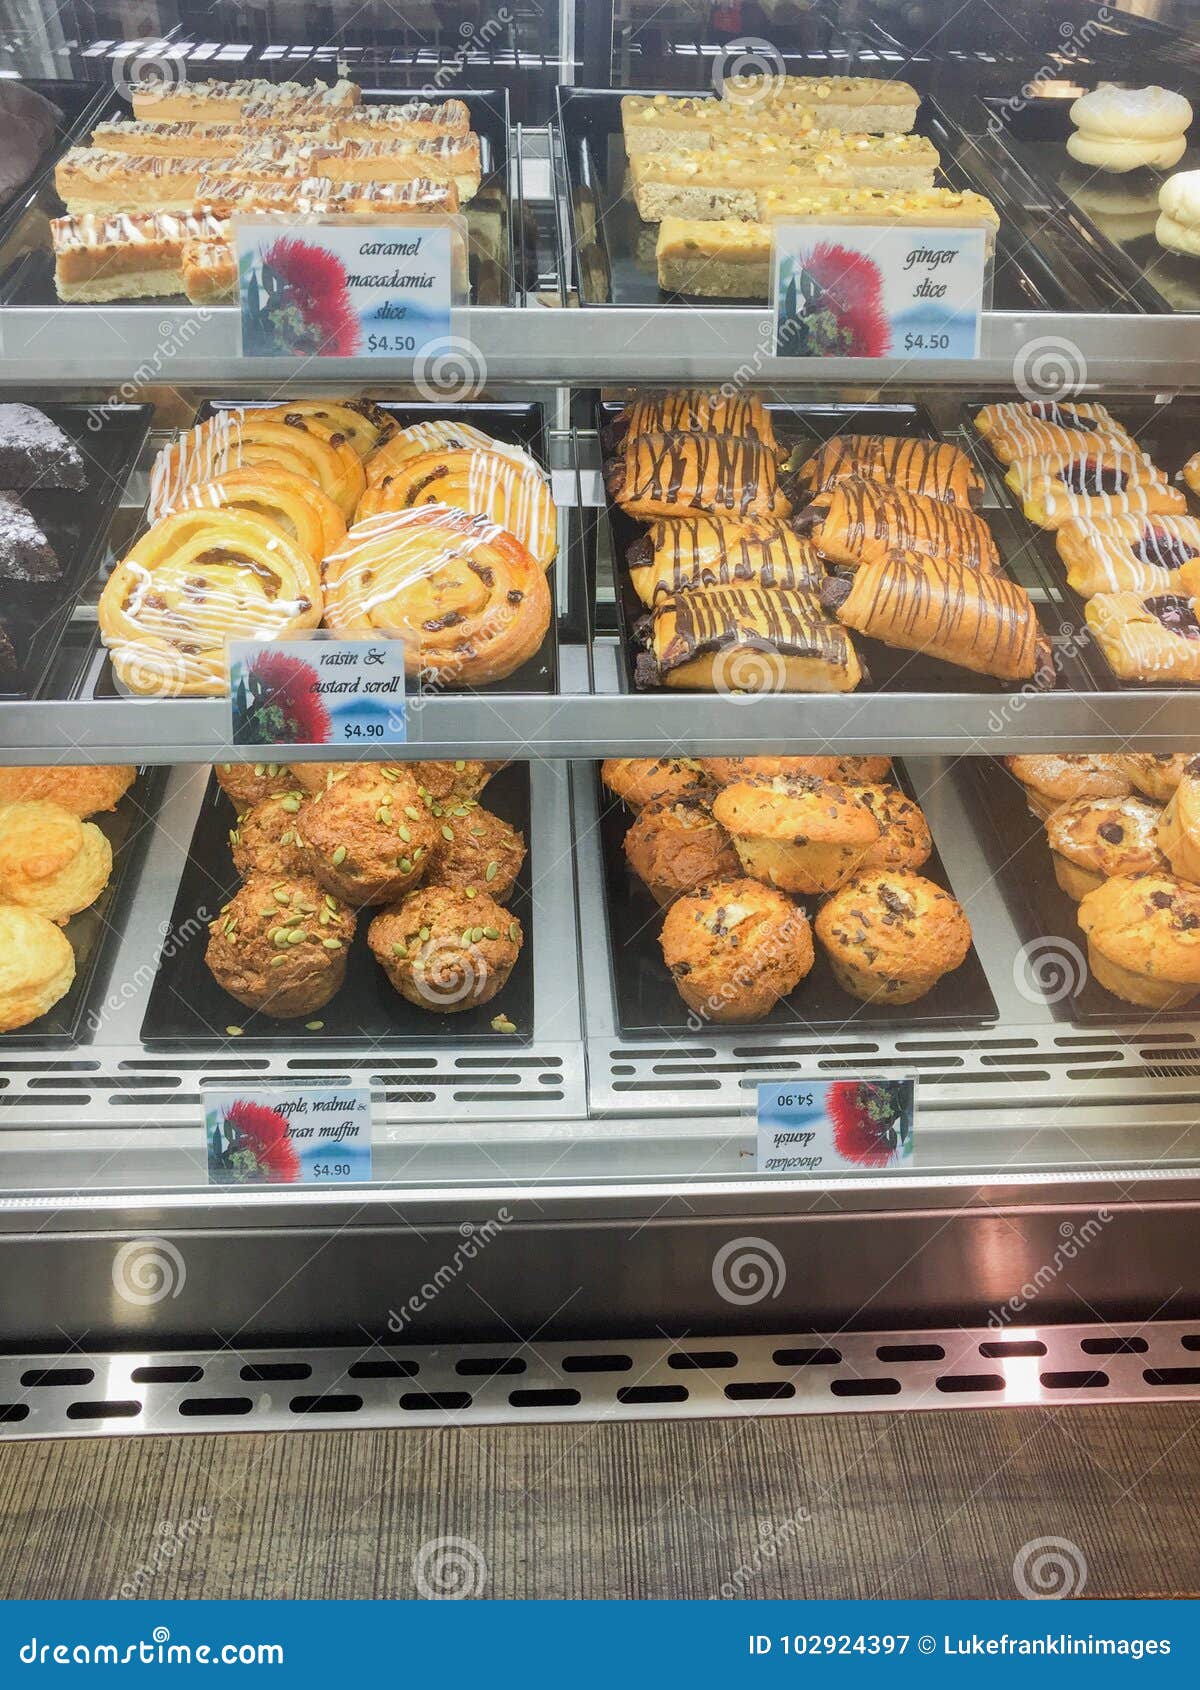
308 307
256 1146
872 1120
276 702
834 305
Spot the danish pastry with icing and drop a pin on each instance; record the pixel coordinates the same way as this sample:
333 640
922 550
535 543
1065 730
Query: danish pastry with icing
482 483
232 440
1155 773
470 601
1128 554
37 966
50 860
194 581
360 421
1122 129
689 411
1059 778
292 502
1109 481
743 639
1077 416
437 434
1148 637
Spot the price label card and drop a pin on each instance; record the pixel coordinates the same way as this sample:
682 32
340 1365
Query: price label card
317 692
878 291
348 290
835 1126
281 1136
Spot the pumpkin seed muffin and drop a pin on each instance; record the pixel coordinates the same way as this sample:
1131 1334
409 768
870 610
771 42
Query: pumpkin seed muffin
905 840
476 851
735 949
368 835
844 771
890 935
1092 839
266 838
1051 781
646 780
1156 776
676 846
451 783
1179 825
280 945
249 783
315 777
1143 934
445 951
797 832
82 788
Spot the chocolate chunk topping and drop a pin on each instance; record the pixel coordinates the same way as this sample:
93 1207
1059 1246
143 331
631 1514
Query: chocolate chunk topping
1113 832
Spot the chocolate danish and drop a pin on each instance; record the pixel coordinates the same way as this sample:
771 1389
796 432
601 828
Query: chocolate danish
682 553
859 521
917 466
670 474
742 639
689 411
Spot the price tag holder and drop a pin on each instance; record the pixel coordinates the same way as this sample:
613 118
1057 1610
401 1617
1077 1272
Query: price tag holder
317 692
333 288
276 1136
819 1127
879 290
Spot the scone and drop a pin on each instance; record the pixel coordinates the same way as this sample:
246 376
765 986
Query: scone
37 966
890 935
1154 774
845 771
1179 826
444 951
1054 780
645 780
797 832
50 860
1143 934
1093 839
905 840
368 835
280 944
249 783
81 788
264 839
675 846
735 948
475 851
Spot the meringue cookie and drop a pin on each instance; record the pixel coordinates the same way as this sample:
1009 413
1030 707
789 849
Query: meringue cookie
1122 129
1178 226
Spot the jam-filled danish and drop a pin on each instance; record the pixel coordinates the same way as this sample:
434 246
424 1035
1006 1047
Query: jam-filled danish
1129 554
1148 636
1044 428
508 493
194 581
1109 481
678 554
742 639
670 474
929 467
859 521
1007 418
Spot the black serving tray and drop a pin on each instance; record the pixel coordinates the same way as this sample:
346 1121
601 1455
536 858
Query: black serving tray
649 1006
1018 852
1170 433
188 1008
95 932
886 669
517 425
76 523
614 250
27 263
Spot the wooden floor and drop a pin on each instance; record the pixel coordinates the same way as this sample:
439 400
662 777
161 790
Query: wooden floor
933 1505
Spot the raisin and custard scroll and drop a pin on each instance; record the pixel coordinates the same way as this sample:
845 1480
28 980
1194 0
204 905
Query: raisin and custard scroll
678 554
672 474
741 639
929 467
859 521
985 623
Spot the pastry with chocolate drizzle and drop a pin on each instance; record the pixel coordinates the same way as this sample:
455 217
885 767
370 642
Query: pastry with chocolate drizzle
933 468
672 474
859 521
744 639
678 554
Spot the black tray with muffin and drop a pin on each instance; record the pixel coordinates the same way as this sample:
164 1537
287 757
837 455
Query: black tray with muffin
801 430
1170 434
1055 967
188 1008
94 934
649 1006
63 468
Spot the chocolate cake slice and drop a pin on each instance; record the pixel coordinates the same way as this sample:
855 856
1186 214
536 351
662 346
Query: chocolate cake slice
25 552
34 452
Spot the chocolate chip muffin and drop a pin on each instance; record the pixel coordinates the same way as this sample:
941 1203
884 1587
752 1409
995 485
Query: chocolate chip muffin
890 935
735 949
444 951
1156 776
249 783
265 839
280 945
1051 781
674 847
1179 825
475 851
843 771
1092 839
1143 934
905 840
797 832
368 835
647 780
